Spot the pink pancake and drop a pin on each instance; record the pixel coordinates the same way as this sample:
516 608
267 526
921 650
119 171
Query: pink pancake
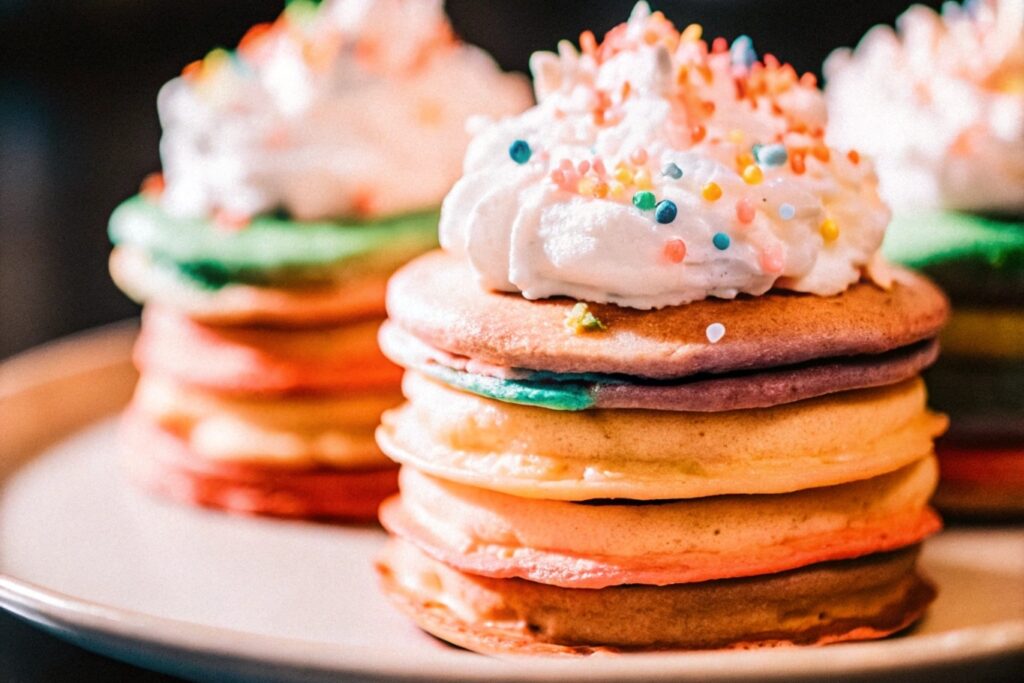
158 461
263 360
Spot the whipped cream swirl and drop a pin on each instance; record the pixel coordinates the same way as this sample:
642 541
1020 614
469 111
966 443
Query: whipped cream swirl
939 103
353 108
743 193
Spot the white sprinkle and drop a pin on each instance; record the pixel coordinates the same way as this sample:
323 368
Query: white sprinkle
715 332
787 211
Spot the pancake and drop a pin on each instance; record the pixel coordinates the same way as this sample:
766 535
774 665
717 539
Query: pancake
996 333
666 542
857 599
981 482
976 259
343 300
291 431
160 462
702 393
262 360
271 250
436 298
649 455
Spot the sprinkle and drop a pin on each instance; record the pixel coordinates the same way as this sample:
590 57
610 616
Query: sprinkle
796 162
583 167
741 53
715 332
588 43
697 133
152 186
752 174
586 185
671 170
744 159
230 220
771 155
829 230
192 69
665 211
616 189
623 174
771 259
675 250
598 167
787 211
601 190
719 44
821 153
639 156
744 211
642 178
711 192
735 135
692 33
721 241
520 151
579 320
644 200
854 156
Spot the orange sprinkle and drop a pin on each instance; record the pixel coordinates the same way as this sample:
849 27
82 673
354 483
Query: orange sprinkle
152 185
809 80
675 250
854 156
697 133
796 162
709 107
626 89
601 190
254 35
191 69
711 192
821 153
744 159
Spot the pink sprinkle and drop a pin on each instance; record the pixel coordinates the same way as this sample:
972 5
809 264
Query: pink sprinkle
558 176
583 167
771 259
565 165
639 156
598 167
569 181
744 211
675 250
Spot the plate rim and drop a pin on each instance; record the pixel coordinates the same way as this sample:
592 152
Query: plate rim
54 610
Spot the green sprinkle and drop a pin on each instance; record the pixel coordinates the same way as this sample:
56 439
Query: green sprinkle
644 200
579 320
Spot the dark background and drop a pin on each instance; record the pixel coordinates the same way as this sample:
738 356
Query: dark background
78 131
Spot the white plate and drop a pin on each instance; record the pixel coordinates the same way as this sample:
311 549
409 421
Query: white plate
197 593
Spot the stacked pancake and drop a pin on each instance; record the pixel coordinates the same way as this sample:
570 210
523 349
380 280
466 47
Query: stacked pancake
660 392
955 178
288 197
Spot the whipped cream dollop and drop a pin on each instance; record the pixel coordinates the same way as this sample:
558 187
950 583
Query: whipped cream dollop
939 104
656 170
349 108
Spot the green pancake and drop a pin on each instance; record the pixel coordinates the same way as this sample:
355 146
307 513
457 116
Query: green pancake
974 258
271 250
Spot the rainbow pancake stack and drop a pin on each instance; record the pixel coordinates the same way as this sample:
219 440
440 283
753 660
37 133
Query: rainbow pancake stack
289 194
661 393
940 104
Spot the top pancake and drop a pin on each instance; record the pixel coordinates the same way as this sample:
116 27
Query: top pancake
437 298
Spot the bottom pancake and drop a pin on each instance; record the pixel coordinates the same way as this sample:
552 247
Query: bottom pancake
161 463
982 483
860 599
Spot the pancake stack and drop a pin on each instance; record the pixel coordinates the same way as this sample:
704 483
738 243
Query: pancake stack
630 427
263 250
957 189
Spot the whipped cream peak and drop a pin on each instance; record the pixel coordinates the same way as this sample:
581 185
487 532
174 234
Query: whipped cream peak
656 170
939 103
327 113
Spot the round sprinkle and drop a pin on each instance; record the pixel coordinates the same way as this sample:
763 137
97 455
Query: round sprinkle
639 156
787 211
752 174
711 192
601 190
675 250
744 211
616 189
624 175
829 230
772 260
520 151
665 211
715 332
771 155
741 52
854 156
721 241
642 179
672 171
643 200
735 135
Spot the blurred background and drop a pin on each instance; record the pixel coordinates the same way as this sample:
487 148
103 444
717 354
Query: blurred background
79 130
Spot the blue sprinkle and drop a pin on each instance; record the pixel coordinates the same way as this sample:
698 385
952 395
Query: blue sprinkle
786 212
672 171
742 52
721 241
665 211
520 151
771 155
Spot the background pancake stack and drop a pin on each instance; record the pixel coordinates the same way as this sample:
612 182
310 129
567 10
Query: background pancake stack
955 179
263 250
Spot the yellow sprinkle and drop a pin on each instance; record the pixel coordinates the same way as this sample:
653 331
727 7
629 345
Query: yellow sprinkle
579 319
623 175
752 174
692 33
829 230
744 159
586 185
736 136
643 179
616 189
711 192
215 59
